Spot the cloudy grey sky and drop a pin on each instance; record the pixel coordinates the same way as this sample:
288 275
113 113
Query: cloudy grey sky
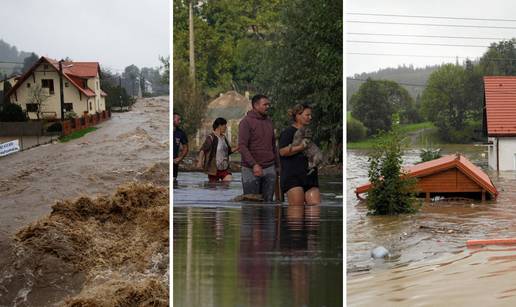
405 53
116 33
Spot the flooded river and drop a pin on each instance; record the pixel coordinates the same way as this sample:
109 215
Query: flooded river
243 254
429 263
79 223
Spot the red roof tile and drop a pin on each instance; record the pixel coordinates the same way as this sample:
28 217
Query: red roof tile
500 100
72 71
441 164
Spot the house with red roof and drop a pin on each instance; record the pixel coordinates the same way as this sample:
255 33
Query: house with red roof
82 92
451 175
500 121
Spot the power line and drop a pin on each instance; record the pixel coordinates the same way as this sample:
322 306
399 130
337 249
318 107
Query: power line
427 36
407 55
10 62
434 17
429 24
419 44
402 83
430 56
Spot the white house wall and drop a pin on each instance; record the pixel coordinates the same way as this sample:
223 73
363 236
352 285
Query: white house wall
81 103
507 152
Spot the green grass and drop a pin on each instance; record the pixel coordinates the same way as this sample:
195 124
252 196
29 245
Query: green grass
416 127
76 134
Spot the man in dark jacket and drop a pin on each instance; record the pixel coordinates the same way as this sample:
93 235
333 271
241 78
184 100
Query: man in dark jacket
180 145
258 150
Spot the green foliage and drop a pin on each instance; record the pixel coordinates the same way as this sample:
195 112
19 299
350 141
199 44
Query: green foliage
429 153
355 130
188 101
304 64
29 61
377 100
278 48
12 112
116 95
390 193
499 59
7 87
453 103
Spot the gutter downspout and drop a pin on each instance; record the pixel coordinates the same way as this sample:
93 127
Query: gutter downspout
498 155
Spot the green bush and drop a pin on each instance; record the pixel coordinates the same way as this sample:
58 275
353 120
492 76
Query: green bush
55 127
429 154
356 131
390 193
12 112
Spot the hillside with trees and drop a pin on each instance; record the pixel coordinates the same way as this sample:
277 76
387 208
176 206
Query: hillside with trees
407 76
12 60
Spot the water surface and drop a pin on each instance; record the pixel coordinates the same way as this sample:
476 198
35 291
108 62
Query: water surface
242 254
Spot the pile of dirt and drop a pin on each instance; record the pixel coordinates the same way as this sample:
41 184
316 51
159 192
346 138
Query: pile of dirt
114 248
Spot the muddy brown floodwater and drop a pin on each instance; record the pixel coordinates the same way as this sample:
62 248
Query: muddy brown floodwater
85 223
430 264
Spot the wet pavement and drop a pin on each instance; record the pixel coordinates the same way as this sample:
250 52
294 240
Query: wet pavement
244 254
428 249
132 146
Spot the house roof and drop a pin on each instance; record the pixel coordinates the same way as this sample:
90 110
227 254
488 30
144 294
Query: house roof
500 105
74 72
230 105
444 163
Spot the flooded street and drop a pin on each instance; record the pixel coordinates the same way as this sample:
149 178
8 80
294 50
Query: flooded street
242 254
52 259
428 249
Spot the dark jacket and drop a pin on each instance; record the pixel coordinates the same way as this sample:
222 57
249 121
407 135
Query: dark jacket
256 140
210 152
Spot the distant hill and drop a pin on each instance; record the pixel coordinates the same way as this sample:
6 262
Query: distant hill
10 53
409 77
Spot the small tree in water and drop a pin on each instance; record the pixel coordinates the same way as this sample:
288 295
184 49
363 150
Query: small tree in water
390 193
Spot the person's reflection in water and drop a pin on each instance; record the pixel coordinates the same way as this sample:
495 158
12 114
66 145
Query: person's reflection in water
257 235
299 241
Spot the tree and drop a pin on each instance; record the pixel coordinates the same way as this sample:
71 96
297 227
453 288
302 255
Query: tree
38 97
29 61
499 59
450 103
12 112
303 63
377 100
391 192
132 73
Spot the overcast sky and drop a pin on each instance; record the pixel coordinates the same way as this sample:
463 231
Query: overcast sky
492 9
116 33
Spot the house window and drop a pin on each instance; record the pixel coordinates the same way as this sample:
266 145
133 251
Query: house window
45 66
66 84
85 84
98 85
48 83
28 84
32 107
68 106
91 109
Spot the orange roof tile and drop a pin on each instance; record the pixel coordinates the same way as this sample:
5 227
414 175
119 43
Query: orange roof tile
441 164
72 71
500 103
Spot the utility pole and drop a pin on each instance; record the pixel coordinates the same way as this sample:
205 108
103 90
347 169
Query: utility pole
61 91
191 42
120 85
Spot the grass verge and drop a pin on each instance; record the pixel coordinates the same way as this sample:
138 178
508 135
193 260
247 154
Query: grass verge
76 134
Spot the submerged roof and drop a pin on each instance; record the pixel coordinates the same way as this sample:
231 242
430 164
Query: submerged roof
445 163
500 103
